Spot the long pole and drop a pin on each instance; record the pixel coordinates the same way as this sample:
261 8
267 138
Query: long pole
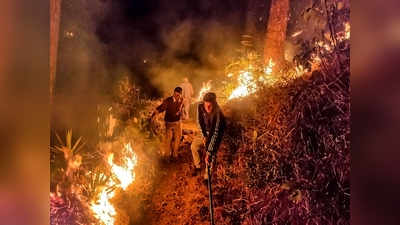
210 195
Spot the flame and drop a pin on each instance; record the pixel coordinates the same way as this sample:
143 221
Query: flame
300 70
324 45
247 82
268 69
345 34
103 209
246 86
125 173
347 30
206 87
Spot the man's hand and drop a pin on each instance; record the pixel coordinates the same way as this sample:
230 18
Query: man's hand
208 158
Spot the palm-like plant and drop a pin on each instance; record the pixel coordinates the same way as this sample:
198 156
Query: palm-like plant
68 148
71 151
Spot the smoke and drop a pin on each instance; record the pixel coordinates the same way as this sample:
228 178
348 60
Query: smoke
82 76
160 42
198 50
154 43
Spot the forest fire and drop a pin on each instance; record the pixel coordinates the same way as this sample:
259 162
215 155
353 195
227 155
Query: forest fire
347 30
124 173
280 71
246 86
268 69
248 82
204 89
345 34
103 209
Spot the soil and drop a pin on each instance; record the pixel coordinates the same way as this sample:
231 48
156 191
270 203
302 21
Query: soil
179 197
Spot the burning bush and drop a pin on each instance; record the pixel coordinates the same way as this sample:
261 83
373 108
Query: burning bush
88 184
83 195
293 162
68 202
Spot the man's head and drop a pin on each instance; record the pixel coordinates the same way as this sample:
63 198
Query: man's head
210 101
185 79
177 92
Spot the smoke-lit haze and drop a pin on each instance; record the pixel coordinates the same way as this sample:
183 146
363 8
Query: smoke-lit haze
155 43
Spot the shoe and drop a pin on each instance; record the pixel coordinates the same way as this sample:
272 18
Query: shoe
195 172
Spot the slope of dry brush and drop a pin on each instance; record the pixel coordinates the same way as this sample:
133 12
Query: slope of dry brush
292 164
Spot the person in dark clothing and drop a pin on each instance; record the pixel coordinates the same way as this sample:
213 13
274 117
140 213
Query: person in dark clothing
173 127
211 123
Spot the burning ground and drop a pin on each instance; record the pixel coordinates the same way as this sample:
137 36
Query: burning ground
285 157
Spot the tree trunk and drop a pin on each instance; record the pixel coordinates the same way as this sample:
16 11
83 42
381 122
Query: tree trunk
276 31
55 12
256 15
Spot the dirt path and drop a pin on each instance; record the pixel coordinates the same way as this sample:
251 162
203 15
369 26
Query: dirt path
180 198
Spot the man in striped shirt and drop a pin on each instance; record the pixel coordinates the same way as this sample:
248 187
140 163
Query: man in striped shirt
211 123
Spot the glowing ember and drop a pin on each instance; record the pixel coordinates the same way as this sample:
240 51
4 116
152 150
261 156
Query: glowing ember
246 85
297 33
345 34
300 70
103 209
268 69
347 30
247 82
324 45
206 87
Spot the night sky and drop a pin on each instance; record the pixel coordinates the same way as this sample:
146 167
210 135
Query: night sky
144 21
110 35
134 31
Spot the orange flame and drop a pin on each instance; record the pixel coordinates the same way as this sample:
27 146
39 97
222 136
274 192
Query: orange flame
247 82
206 87
103 209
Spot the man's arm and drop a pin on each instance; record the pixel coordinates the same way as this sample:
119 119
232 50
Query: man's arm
161 108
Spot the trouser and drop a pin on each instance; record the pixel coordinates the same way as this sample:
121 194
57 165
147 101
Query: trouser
172 138
186 108
196 147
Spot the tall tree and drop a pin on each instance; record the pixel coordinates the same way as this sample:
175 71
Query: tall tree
55 12
276 31
256 15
